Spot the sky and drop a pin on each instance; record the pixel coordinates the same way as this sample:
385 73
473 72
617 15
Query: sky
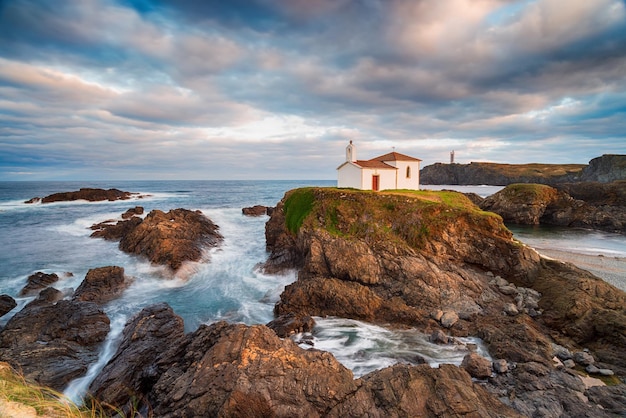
275 89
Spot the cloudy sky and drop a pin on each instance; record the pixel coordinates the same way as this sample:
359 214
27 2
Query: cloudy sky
274 89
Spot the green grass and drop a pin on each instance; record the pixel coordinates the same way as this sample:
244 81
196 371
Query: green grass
409 216
297 206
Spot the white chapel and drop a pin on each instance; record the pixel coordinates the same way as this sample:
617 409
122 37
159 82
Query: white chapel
387 172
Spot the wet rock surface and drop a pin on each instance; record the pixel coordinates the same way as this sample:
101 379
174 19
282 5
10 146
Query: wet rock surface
89 194
467 277
102 285
7 303
165 238
603 207
237 370
38 281
257 210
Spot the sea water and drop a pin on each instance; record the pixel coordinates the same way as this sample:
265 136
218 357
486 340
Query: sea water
226 285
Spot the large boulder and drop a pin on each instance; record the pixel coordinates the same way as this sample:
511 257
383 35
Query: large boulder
165 238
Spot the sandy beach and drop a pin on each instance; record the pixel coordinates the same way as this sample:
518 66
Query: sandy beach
611 269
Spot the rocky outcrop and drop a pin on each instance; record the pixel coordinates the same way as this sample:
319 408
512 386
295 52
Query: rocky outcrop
417 259
257 210
534 204
53 341
7 303
500 174
167 239
102 285
89 194
604 169
237 370
38 281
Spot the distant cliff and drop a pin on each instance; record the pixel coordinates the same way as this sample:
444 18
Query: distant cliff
604 169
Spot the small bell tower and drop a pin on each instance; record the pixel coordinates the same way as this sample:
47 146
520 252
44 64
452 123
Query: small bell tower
351 152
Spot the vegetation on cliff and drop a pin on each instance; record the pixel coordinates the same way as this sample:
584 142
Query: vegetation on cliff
606 168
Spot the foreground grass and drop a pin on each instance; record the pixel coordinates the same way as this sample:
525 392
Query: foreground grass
19 398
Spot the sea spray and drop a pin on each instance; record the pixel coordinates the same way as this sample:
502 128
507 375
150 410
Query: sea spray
77 388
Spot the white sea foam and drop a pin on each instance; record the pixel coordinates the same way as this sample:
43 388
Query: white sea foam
364 347
77 388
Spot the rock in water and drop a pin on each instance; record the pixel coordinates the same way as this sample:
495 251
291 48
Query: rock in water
102 285
7 303
53 342
38 281
92 195
167 239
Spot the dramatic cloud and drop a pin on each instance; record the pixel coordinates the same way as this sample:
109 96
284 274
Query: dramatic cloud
117 89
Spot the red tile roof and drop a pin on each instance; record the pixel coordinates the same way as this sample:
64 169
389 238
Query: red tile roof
374 164
395 156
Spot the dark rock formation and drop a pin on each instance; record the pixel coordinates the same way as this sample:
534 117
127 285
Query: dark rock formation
102 285
7 303
236 370
53 341
164 238
605 169
289 324
137 210
38 281
396 258
499 174
92 195
533 204
257 210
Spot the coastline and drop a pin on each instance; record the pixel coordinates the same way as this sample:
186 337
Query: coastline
609 268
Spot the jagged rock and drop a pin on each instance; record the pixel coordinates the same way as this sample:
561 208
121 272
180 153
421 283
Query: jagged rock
238 370
289 324
611 398
416 264
53 341
38 281
256 210
420 391
92 195
7 303
607 168
102 285
133 370
477 366
115 231
533 204
167 239
137 210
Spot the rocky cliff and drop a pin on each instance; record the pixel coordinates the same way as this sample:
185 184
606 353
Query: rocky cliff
596 206
604 169
437 262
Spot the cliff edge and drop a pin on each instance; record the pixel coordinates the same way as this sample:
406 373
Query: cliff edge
605 169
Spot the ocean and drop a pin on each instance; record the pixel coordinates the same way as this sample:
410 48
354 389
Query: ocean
54 238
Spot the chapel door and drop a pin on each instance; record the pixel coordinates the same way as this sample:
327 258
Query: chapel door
375 182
